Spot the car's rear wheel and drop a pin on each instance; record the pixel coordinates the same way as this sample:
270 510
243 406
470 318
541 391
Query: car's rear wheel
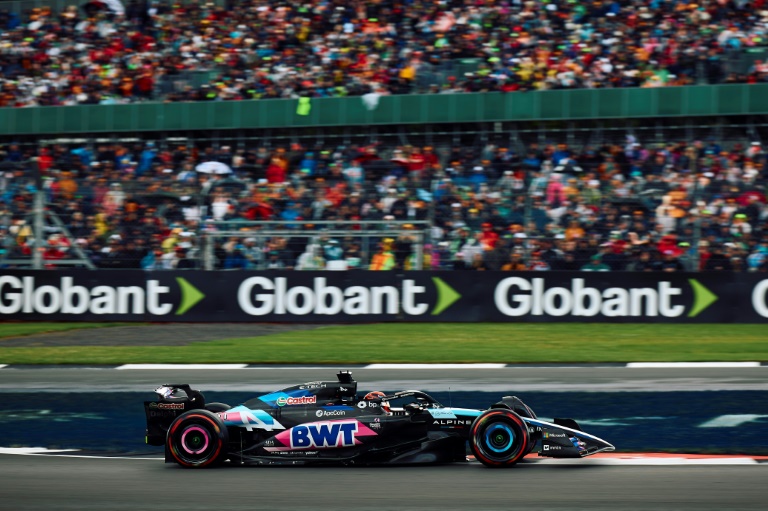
499 438
197 439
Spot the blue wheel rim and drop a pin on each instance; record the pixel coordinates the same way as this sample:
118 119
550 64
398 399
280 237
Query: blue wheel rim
499 437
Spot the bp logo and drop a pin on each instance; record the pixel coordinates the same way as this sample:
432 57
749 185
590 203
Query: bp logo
63 296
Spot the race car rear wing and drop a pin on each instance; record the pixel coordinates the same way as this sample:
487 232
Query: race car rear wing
173 400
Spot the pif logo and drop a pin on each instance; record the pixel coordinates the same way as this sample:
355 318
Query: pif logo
324 435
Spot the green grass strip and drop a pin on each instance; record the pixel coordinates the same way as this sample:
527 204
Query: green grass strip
437 343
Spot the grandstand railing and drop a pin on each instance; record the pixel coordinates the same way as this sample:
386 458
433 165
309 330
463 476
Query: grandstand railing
552 105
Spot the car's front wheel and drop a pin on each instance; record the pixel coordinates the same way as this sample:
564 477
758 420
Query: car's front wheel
499 438
197 439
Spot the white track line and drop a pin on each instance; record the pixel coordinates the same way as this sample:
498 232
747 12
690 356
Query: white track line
3 365
640 461
32 450
130 367
675 365
435 366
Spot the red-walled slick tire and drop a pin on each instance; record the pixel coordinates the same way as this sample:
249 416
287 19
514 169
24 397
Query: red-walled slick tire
197 439
499 438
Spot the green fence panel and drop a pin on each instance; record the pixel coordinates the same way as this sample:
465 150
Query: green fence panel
224 115
552 104
97 118
123 118
492 106
757 99
387 112
699 100
522 106
640 102
729 99
251 114
174 116
469 108
330 111
671 101
70 120
581 104
610 103
441 108
704 100
25 119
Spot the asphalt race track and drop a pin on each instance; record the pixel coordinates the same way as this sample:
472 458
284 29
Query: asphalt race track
521 379
76 481
78 484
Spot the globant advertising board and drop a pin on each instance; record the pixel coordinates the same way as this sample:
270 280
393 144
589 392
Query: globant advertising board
363 296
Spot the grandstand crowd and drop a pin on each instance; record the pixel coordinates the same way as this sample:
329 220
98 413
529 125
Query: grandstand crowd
698 205
695 206
112 52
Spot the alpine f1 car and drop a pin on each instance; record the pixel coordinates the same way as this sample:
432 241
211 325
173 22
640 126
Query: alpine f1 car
327 422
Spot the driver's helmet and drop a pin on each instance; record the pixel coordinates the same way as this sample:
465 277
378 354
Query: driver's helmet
377 395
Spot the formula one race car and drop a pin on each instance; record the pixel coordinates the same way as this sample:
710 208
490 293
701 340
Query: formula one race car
326 422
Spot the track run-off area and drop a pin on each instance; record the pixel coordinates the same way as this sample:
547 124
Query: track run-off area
686 437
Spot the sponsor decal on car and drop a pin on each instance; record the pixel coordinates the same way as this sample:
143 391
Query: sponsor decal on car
453 422
289 401
162 414
330 413
333 434
441 413
249 419
313 385
554 435
167 406
324 435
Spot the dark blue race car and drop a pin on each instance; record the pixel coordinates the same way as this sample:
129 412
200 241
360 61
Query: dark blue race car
327 422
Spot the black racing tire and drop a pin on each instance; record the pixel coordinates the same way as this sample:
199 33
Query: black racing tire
516 404
499 438
197 439
217 407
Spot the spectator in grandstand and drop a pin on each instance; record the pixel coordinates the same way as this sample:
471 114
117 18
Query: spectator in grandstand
596 264
384 259
99 200
296 49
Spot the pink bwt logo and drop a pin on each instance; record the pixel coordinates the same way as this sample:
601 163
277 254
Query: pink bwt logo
325 435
